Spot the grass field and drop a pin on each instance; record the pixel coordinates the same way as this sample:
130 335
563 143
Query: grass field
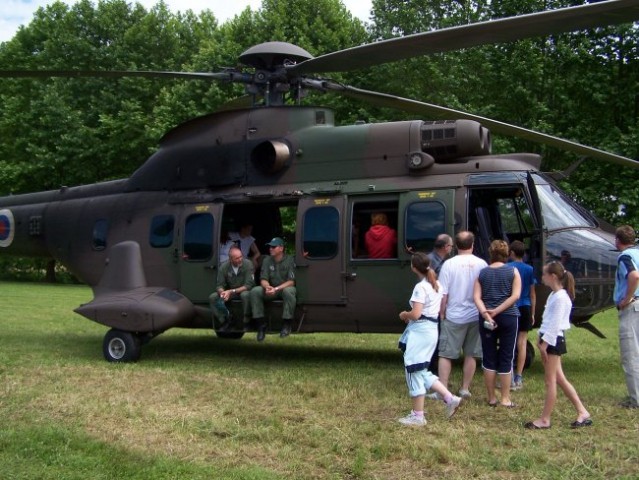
307 407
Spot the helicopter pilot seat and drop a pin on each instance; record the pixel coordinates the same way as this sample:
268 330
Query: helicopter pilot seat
485 230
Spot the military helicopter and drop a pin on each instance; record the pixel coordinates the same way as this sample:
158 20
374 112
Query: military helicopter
148 245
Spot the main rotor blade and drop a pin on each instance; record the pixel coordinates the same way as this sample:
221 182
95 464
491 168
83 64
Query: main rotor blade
222 76
494 31
495 126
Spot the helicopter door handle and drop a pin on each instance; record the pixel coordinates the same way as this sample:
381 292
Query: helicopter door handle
350 275
209 267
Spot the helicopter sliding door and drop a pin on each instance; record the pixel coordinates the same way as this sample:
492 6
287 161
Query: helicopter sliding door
378 274
197 251
320 250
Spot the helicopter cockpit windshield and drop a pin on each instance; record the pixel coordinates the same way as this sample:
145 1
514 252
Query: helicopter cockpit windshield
559 212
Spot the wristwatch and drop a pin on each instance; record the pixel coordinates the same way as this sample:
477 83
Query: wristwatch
233 291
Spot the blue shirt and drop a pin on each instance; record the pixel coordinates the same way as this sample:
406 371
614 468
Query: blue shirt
627 262
527 281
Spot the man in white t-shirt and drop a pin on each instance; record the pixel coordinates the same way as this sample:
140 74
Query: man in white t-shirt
246 243
459 315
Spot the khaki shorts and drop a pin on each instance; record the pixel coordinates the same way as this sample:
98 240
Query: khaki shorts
455 338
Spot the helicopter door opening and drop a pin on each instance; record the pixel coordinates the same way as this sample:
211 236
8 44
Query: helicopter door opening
504 213
197 251
261 220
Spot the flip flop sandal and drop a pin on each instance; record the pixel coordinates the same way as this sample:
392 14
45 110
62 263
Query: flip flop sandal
533 426
508 405
584 423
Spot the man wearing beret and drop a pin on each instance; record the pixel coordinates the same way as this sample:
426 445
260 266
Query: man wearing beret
277 281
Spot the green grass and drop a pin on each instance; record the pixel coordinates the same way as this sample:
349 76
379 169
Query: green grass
310 406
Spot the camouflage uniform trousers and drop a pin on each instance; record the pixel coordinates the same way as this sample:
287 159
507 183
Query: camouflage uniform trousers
288 295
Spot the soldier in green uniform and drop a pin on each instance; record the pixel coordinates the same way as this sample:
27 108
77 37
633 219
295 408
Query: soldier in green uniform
277 280
235 277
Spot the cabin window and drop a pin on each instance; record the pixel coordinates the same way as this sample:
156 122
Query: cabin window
321 232
374 230
198 237
100 231
424 221
161 231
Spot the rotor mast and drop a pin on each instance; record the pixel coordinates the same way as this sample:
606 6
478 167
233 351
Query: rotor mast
271 80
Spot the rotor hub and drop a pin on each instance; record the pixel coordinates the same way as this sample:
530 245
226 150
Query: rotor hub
271 55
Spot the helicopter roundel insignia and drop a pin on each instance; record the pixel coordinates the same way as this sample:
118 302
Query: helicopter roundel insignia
6 228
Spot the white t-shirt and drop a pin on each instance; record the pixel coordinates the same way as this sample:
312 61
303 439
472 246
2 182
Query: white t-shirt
245 243
457 278
556 317
425 294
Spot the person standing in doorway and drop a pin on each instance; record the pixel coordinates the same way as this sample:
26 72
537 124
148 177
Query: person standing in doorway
247 244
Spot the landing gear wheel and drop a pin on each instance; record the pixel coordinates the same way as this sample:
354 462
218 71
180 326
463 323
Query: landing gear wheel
229 335
119 346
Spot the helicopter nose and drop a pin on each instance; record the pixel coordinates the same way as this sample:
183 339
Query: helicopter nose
589 254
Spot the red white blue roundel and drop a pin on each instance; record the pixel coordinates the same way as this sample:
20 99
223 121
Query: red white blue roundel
6 228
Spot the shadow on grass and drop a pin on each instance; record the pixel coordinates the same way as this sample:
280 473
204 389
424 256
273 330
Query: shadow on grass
197 347
272 351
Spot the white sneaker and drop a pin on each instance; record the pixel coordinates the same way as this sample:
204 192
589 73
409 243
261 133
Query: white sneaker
434 396
452 407
465 393
413 420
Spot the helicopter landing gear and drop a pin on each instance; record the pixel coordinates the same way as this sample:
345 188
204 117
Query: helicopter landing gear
229 335
119 346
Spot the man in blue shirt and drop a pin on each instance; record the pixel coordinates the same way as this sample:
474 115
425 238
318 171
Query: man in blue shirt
626 298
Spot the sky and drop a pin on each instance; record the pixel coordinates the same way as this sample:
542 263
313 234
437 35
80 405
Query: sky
14 13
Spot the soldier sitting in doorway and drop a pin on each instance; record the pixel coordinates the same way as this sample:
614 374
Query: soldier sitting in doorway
277 280
234 279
